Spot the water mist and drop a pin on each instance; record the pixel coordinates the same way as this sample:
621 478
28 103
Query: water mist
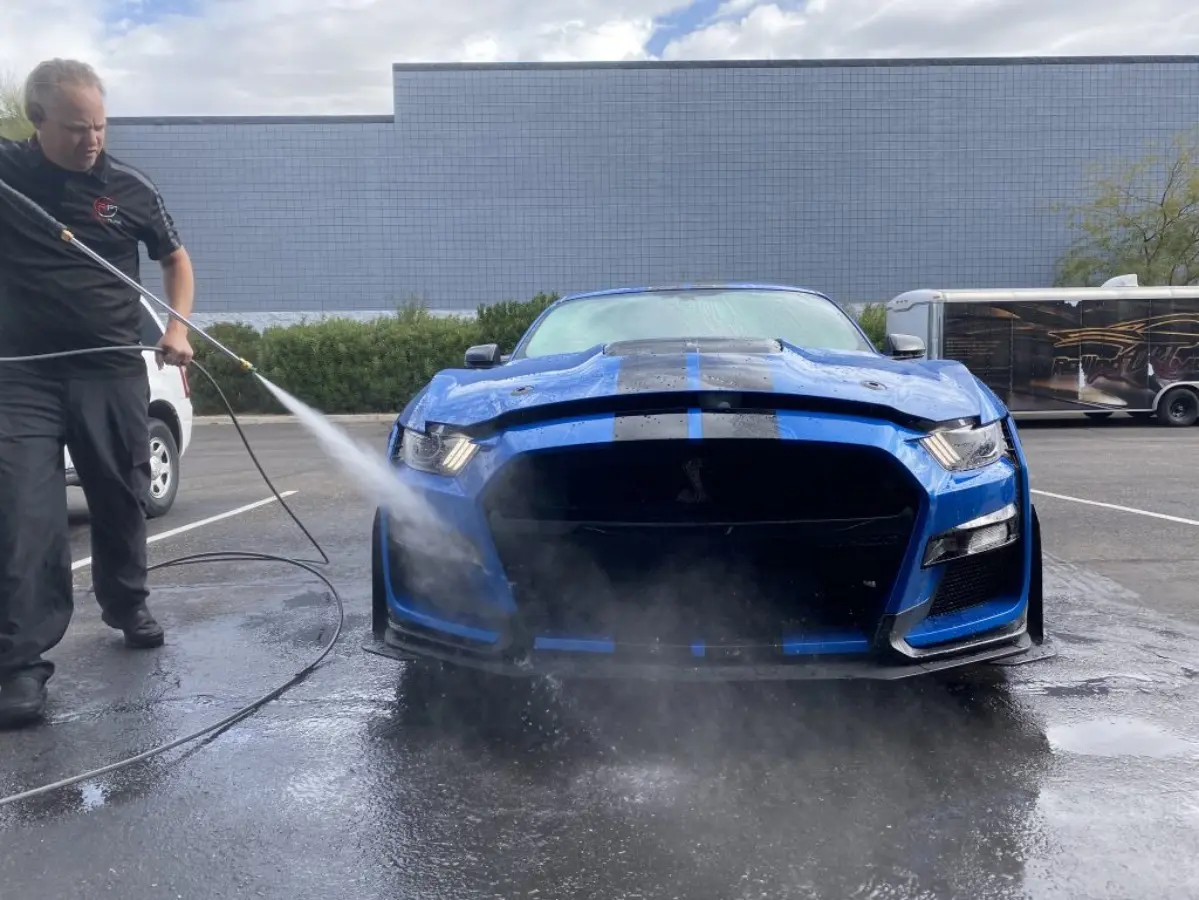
420 526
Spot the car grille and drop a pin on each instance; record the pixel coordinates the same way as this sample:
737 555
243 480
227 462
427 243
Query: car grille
721 541
980 579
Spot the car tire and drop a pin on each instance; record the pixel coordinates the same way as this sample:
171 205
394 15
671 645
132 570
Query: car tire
1179 408
164 470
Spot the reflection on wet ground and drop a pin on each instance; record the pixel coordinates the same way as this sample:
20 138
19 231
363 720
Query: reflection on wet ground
730 791
1074 777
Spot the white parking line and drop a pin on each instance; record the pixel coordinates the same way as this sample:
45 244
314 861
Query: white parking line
1118 508
162 536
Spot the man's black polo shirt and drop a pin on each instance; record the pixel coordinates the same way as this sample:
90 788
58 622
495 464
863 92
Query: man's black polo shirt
52 296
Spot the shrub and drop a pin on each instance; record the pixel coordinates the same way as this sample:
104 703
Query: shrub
243 392
505 323
344 366
873 319
14 125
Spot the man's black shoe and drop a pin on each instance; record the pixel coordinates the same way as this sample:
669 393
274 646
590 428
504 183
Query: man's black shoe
22 699
141 630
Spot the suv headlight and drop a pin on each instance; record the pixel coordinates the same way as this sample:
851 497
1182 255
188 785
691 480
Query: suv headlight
440 452
960 448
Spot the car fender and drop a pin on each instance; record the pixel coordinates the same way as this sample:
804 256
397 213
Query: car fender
990 406
413 413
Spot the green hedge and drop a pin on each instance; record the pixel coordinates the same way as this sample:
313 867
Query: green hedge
873 319
349 366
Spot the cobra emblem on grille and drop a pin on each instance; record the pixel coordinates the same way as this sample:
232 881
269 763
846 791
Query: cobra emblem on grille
696 494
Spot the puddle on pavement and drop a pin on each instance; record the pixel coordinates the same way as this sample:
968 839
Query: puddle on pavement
1118 737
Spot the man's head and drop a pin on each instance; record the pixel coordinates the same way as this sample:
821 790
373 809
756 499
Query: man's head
64 99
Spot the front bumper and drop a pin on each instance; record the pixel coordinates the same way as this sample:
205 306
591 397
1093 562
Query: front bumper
932 620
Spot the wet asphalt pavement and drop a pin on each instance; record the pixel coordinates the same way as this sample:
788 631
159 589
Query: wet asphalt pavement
1075 777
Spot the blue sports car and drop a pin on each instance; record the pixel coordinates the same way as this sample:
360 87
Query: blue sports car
726 482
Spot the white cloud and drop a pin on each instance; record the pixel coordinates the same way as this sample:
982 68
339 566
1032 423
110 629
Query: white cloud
335 56
31 30
307 56
897 28
734 7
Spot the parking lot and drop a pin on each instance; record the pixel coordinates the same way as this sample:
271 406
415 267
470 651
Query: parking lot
1075 778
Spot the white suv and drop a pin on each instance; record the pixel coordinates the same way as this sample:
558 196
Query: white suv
170 420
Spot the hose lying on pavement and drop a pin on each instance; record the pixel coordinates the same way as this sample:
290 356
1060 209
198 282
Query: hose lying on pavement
309 566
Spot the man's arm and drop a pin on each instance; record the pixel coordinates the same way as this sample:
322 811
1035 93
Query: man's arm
180 282
164 246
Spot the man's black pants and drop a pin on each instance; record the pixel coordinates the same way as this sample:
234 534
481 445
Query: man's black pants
104 422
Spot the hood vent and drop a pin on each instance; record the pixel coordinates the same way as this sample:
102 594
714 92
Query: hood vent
669 346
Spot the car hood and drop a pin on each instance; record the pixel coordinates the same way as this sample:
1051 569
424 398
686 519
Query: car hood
616 374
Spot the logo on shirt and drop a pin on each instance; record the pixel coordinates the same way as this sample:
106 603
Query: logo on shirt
105 209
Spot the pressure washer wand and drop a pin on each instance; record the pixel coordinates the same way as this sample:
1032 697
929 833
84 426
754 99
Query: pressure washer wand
23 202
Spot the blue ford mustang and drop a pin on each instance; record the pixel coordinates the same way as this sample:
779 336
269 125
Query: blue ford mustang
722 482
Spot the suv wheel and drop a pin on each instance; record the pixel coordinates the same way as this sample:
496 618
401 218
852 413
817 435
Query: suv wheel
164 469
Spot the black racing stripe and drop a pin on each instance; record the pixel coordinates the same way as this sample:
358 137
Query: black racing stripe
642 373
651 427
743 425
734 372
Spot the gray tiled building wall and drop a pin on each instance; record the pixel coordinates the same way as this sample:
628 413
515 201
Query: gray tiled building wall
495 182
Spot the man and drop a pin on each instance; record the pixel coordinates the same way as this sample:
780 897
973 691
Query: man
53 298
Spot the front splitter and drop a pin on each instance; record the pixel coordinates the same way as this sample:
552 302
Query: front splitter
393 645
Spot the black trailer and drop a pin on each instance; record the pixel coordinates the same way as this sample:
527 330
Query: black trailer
1068 351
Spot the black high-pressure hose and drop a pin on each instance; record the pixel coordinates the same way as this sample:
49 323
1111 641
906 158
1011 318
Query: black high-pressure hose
309 566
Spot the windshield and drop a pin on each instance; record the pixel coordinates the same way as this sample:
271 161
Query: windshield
796 317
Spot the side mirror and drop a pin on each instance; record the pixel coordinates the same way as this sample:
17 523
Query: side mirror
483 356
904 346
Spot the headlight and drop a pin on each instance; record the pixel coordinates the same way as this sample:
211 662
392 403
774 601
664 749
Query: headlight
989 532
440 452
960 449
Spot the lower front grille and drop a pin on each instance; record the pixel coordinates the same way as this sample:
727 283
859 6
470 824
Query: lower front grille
725 542
445 589
980 579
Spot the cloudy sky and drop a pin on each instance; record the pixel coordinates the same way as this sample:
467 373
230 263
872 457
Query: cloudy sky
227 57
